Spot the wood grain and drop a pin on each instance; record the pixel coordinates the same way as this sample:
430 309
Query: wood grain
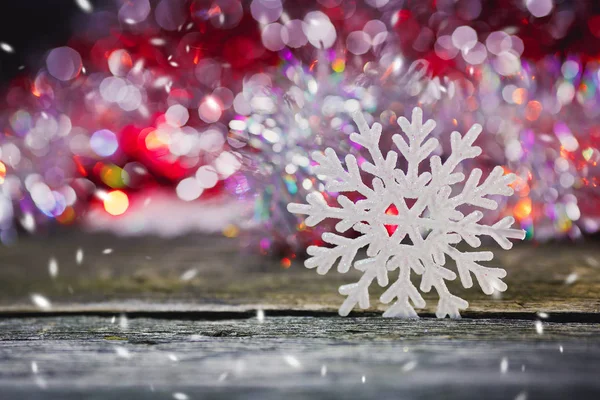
145 274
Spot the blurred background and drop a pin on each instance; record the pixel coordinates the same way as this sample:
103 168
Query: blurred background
148 151
166 117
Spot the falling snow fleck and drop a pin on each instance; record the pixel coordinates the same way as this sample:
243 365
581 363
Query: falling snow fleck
260 315
79 256
571 278
122 352
107 251
123 321
85 5
539 328
28 222
41 302
6 47
53 267
223 376
41 382
409 366
189 274
521 396
504 365
292 361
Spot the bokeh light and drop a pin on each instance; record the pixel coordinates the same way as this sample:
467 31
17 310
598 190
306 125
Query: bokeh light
104 143
116 202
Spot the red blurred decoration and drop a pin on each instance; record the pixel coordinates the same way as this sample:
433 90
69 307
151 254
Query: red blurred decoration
391 210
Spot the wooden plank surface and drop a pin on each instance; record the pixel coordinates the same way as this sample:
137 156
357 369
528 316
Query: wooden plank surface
297 357
146 274
126 325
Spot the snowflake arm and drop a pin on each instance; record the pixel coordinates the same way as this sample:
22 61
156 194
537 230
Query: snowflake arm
358 293
323 258
318 210
474 194
415 151
338 179
403 291
433 224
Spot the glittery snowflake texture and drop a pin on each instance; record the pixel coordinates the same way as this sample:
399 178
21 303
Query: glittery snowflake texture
426 228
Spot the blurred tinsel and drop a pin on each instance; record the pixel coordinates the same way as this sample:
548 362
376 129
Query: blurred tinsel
222 101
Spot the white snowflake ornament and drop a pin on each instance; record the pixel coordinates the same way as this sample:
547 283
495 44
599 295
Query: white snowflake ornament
432 223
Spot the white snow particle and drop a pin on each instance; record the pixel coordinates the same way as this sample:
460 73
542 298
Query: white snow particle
571 278
6 47
323 370
542 315
28 222
53 267
504 365
180 396
123 321
521 396
430 220
158 41
122 352
85 5
79 256
189 274
173 357
34 367
539 328
409 366
292 361
41 302
592 262
363 379
223 376
41 382
260 315
560 348
113 319
107 251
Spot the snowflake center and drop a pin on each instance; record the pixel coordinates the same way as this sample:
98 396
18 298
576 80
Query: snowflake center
391 210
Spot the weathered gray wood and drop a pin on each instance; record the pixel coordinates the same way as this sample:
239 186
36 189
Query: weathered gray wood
222 351
144 273
93 357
